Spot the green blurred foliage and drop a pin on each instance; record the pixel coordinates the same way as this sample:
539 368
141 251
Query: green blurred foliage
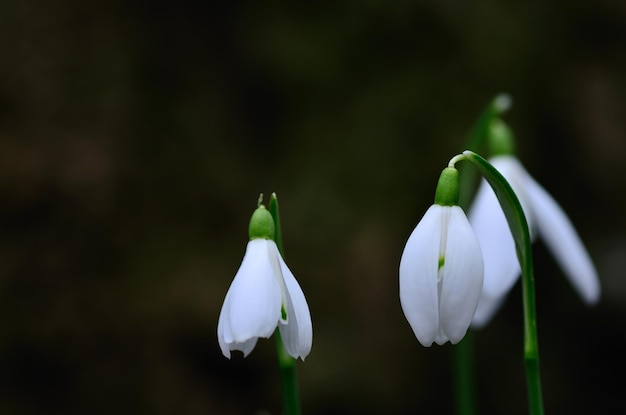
135 138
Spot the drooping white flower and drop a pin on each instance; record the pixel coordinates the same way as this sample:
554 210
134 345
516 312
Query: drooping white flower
545 219
441 272
264 295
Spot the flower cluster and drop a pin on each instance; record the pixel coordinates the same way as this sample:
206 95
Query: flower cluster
454 271
442 286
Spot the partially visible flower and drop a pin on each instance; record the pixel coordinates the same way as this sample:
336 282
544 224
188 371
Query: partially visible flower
545 219
264 295
441 270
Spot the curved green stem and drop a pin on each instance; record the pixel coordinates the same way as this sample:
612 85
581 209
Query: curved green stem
286 363
519 229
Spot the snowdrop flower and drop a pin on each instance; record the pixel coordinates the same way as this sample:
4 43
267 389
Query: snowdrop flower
441 270
264 295
545 219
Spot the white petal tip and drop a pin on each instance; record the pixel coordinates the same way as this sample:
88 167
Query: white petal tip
478 324
592 299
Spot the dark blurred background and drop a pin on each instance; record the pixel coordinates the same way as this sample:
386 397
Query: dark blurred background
135 138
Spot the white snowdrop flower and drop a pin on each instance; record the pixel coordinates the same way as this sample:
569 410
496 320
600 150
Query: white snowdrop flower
264 295
545 219
441 270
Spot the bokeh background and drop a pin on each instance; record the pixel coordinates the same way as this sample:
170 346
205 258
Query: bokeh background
135 138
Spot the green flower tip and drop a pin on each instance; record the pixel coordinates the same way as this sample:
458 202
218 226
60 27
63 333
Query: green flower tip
261 224
500 139
447 193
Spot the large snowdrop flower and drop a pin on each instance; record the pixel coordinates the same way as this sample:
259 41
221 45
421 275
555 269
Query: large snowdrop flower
264 295
545 219
441 270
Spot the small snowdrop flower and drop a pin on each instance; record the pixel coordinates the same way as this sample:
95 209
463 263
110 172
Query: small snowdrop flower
545 219
264 295
441 269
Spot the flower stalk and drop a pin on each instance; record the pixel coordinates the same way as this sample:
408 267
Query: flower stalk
286 363
464 375
521 235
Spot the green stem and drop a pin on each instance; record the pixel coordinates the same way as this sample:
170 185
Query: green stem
288 378
286 363
464 375
521 235
533 380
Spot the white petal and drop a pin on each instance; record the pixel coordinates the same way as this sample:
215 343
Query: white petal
462 276
275 260
559 235
496 243
516 175
245 347
487 307
297 333
221 328
418 277
251 308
